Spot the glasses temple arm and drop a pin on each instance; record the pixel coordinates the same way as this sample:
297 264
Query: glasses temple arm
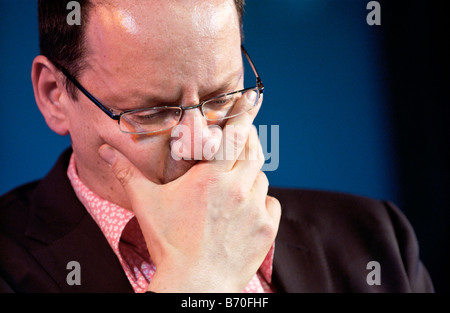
259 82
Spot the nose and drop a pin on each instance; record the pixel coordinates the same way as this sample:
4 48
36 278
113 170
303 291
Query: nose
193 138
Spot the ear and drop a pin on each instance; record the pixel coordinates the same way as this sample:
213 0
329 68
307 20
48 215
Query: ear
49 92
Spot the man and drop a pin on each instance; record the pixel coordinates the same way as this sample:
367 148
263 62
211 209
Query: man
139 86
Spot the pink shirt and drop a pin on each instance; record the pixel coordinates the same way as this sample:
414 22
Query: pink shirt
124 235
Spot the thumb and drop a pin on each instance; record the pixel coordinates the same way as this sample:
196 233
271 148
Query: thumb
130 177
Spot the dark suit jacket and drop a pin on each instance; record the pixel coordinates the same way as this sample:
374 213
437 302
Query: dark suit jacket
324 243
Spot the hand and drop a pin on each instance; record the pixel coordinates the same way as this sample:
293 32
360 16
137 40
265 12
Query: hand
210 229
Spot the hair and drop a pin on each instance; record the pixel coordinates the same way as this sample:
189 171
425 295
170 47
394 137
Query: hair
65 45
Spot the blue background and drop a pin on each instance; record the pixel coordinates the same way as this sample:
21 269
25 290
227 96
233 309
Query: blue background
329 86
319 61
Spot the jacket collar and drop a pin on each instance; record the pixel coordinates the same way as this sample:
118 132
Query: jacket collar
68 233
55 209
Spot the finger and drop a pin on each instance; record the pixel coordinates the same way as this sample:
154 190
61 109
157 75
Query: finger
250 107
273 207
235 134
252 155
130 177
250 161
261 186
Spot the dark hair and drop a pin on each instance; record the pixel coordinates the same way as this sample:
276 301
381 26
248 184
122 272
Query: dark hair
64 44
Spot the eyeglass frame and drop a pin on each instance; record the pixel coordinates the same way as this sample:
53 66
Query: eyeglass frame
118 116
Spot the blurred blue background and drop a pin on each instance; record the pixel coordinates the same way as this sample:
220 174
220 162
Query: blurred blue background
329 80
324 76
323 73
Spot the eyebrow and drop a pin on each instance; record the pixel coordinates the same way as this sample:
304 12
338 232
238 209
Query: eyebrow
150 101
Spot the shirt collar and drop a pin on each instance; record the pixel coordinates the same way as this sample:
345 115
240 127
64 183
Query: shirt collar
110 217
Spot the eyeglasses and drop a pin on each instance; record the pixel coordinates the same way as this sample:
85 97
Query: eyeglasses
161 118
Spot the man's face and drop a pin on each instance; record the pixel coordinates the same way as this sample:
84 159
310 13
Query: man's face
151 53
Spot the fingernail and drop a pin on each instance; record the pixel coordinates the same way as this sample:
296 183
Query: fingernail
251 96
107 154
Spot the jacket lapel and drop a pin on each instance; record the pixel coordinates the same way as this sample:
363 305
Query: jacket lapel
68 233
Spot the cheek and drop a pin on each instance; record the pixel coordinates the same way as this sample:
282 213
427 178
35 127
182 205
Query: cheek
150 154
86 123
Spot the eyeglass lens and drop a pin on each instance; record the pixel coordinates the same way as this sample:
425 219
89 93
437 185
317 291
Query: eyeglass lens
159 119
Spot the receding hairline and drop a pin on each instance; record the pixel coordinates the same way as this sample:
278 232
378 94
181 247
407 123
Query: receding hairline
55 45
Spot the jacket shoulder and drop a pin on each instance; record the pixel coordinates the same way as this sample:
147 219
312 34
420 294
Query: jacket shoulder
14 206
16 260
43 227
301 204
342 233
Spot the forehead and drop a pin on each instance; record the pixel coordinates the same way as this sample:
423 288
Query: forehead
140 43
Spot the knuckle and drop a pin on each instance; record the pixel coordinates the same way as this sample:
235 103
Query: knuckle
124 175
210 179
208 183
274 209
267 230
274 202
263 178
274 205
238 193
